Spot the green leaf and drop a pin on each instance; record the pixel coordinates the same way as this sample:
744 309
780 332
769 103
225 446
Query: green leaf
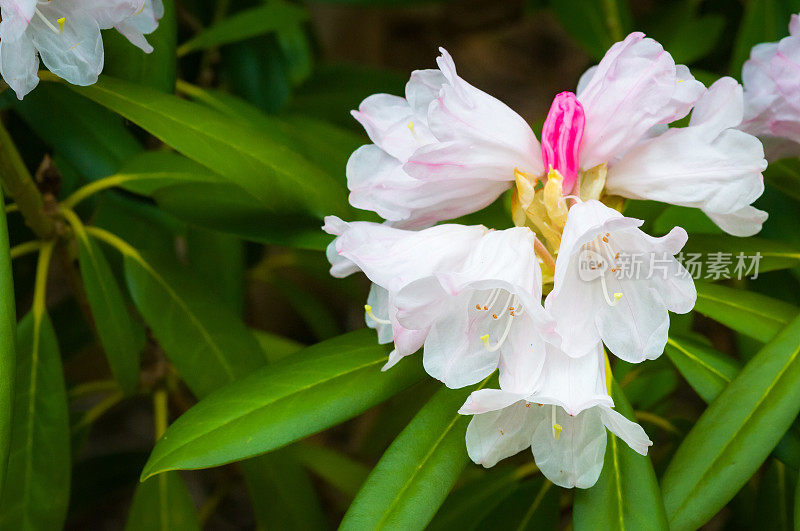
206 341
708 371
121 336
735 434
775 497
626 496
595 25
276 347
7 345
279 180
281 403
774 255
763 21
162 504
339 470
414 476
38 473
157 69
244 25
90 137
797 506
467 506
694 37
694 220
281 493
148 172
785 176
752 314
532 506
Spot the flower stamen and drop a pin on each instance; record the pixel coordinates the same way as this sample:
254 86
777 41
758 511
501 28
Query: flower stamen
372 316
556 426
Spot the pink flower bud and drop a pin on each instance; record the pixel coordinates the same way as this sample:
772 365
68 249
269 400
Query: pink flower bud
561 137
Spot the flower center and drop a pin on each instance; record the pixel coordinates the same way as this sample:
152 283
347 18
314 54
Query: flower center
497 309
594 262
561 138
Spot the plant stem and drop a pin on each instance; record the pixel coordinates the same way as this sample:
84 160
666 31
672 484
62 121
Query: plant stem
160 412
19 183
25 248
92 188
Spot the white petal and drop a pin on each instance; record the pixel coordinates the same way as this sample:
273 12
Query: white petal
16 15
747 221
575 459
485 400
575 384
422 89
499 434
635 87
340 265
378 182
628 431
391 125
19 65
378 300
75 54
703 166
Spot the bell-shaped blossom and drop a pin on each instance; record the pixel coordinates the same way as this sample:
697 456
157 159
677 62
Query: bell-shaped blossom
392 258
64 33
441 116
143 22
485 314
564 421
615 283
709 165
771 79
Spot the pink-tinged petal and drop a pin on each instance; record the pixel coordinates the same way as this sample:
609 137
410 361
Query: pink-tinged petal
630 432
575 458
16 15
499 434
464 113
464 161
340 266
706 165
391 257
378 182
561 137
378 301
635 87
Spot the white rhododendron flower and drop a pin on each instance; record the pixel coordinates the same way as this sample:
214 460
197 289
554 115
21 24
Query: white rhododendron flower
65 34
392 258
376 173
771 79
614 282
472 297
564 421
484 314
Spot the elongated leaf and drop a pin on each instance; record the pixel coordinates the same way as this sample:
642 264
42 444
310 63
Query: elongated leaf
150 171
276 347
595 25
278 179
626 496
7 346
162 504
38 472
468 505
785 176
282 403
156 69
775 497
707 370
207 342
774 255
281 493
752 314
735 434
91 138
246 24
532 506
121 336
414 476
339 470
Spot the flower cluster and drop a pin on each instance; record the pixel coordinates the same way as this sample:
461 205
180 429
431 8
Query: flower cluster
539 301
66 35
